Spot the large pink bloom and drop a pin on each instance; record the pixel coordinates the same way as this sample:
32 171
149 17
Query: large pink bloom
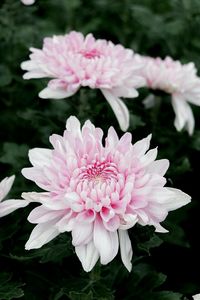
8 206
97 192
179 80
73 61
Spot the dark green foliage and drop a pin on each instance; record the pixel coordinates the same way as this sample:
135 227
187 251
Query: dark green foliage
9 289
165 266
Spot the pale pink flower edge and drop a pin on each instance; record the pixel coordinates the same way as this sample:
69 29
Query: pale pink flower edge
8 206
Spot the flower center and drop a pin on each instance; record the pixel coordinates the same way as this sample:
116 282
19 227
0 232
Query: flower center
93 53
99 172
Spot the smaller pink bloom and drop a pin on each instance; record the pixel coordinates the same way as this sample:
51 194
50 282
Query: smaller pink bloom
97 191
179 80
8 206
72 61
28 2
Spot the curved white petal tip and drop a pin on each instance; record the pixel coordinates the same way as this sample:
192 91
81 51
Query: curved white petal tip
177 199
119 108
5 186
28 2
41 234
49 93
9 206
125 249
88 255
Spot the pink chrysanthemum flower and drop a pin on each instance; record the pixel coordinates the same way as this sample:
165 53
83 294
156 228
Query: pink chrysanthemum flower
179 80
28 2
97 192
8 206
73 61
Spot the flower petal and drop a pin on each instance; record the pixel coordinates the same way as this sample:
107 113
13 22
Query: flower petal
41 214
196 297
159 166
106 242
88 255
49 93
36 197
74 126
8 206
5 186
66 223
177 199
40 157
128 221
125 92
82 233
125 249
42 234
119 108
184 115
140 147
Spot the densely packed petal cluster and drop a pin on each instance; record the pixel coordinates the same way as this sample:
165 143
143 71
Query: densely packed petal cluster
28 2
97 191
179 80
8 206
196 297
73 61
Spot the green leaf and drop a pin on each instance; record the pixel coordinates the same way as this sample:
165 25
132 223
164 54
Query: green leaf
135 121
196 141
153 242
5 76
80 296
54 251
14 154
9 289
165 295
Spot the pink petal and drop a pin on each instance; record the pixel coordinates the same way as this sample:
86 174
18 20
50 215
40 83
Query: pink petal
86 216
106 214
42 215
113 224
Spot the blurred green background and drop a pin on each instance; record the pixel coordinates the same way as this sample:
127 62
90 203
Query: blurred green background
165 266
